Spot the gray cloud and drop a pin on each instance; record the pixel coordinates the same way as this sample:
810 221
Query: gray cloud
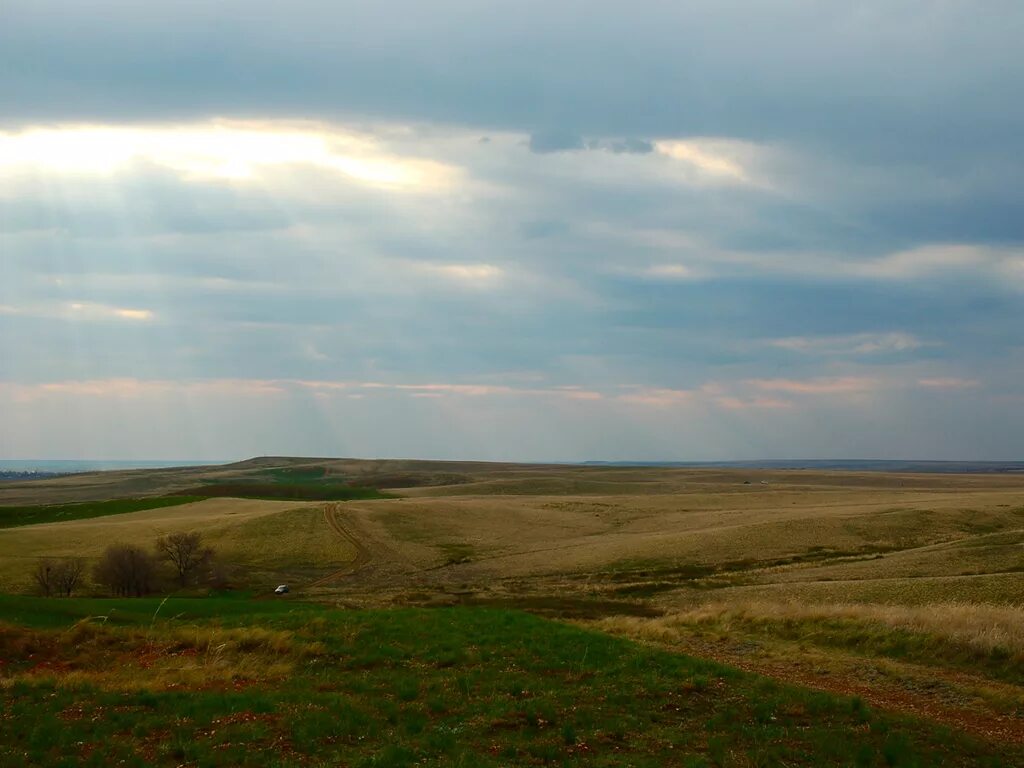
632 145
543 142
939 74
664 192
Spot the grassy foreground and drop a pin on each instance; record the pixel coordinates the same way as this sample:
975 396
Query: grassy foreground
223 681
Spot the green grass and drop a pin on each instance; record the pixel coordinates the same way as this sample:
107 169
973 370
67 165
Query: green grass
305 483
12 517
50 613
311 475
288 491
239 682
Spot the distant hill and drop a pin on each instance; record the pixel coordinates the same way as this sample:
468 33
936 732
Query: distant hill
853 465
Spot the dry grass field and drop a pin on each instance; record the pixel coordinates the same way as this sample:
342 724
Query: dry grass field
261 540
904 589
675 538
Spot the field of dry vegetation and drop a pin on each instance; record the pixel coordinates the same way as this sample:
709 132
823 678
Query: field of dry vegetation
906 590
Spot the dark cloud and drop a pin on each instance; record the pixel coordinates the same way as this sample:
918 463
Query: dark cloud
876 79
631 146
541 228
543 142
969 220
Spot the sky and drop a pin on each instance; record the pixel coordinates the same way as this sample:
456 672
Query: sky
530 231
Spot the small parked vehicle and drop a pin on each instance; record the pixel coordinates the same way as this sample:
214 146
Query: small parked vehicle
282 590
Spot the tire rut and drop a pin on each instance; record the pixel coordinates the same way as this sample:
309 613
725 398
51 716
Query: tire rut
363 557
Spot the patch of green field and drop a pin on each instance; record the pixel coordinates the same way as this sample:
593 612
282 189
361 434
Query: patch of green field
303 483
61 613
236 682
12 517
316 474
288 491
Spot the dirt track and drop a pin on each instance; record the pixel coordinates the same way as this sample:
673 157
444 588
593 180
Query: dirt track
930 693
333 517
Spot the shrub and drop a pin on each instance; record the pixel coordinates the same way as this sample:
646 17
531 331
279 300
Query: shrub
127 571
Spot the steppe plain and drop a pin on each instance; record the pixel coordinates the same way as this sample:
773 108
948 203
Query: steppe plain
904 591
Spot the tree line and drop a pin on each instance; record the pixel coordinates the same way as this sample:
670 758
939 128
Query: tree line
127 570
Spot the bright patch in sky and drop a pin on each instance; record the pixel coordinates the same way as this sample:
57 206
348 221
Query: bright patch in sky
99 310
219 149
478 275
717 161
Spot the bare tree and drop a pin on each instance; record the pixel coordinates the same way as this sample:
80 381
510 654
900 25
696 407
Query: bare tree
69 575
126 570
186 553
45 577
58 577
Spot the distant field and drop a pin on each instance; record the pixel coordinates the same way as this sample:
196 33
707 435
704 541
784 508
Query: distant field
235 682
671 536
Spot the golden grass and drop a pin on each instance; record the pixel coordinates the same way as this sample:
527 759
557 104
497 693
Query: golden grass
827 536
981 627
1006 589
295 539
133 659
705 524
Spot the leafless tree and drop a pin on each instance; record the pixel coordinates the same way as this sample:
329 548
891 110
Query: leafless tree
126 570
45 577
186 553
58 577
69 575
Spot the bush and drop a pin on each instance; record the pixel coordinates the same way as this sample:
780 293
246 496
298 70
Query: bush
127 571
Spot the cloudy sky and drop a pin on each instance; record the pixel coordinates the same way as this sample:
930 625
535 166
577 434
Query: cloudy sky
522 230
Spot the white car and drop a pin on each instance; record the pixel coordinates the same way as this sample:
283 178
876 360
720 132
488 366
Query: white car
282 590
